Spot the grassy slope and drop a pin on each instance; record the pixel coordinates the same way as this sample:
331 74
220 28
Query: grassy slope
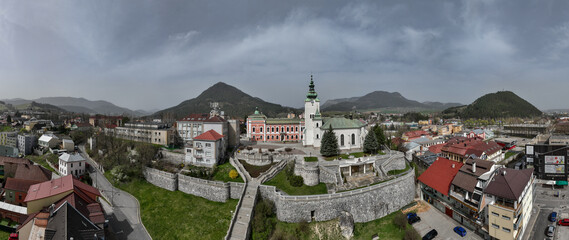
222 173
283 184
176 215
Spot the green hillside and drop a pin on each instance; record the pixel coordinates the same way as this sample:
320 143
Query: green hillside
496 105
232 101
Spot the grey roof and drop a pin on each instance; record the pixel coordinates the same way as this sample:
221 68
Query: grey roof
341 123
66 157
67 223
509 183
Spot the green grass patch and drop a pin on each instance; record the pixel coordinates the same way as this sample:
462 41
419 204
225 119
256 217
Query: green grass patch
311 159
347 156
4 235
280 181
255 171
41 160
509 154
222 173
176 215
383 227
395 172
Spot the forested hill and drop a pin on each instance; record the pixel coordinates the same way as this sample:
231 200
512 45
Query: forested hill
496 105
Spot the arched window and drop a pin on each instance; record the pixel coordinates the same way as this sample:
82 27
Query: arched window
287 129
316 124
342 140
296 129
282 129
353 139
268 129
253 129
273 129
317 136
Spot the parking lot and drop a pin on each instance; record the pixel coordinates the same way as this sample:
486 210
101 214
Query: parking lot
546 201
434 219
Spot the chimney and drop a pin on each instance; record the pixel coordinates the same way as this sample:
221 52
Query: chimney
453 165
504 173
51 209
474 167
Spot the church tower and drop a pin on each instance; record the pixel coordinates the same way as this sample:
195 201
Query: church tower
312 117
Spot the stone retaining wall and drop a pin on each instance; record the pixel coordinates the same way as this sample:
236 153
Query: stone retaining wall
328 175
172 157
212 190
166 180
365 204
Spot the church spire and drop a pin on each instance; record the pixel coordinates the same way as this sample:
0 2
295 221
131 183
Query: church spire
311 92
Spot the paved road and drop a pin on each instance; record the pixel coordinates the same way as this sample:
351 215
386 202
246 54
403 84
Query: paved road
546 201
123 211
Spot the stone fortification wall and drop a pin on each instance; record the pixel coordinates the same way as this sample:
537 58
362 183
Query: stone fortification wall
166 180
211 190
309 171
364 204
396 161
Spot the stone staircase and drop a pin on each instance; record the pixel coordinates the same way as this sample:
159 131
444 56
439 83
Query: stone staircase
242 226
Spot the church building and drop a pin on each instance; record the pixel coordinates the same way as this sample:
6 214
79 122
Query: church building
309 129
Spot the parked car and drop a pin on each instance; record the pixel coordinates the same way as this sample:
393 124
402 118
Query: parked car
13 236
550 230
564 222
460 231
430 235
410 215
553 217
414 219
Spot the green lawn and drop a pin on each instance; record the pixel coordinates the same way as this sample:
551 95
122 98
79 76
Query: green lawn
311 159
509 154
176 215
255 171
283 184
222 173
395 172
41 160
347 156
4 235
384 227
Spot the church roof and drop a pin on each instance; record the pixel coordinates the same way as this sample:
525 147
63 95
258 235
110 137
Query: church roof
312 95
341 123
257 115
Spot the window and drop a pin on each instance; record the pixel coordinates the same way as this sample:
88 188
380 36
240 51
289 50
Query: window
253 129
495 226
268 129
506 229
316 124
342 140
260 129
272 129
208 145
506 217
282 129
495 214
317 136
79 164
296 129
72 165
353 139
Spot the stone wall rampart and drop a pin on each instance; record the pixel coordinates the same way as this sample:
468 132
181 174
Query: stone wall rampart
172 157
212 190
166 180
327 175
364 204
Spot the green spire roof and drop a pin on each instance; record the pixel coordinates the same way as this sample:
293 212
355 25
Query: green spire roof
311 92
256 110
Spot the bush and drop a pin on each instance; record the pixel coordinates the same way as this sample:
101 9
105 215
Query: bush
263 220
296 181
400 220
233 174
411 234
288 149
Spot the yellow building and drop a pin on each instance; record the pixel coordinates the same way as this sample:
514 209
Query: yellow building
510 200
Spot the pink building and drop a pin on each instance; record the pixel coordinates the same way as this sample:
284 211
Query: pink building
263 129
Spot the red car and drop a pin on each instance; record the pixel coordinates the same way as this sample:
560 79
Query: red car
564 222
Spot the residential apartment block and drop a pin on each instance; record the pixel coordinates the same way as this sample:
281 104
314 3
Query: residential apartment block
26 143
207 149
152 132
9 139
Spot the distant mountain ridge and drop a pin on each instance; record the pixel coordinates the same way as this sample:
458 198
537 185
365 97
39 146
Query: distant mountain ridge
31 105
501 104
381 99
81 105
232 101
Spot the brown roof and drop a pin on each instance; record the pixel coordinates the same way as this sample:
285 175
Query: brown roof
4 160
465 181
196 117
482 166
58 186
509 183
467 146
19 185
87 207
215 119
32 172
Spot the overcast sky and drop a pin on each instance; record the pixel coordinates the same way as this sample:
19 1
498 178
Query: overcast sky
156 54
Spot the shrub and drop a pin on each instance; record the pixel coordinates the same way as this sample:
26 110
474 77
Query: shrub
296 181
271 149
288 149
249 148
400 220
411 234
233 174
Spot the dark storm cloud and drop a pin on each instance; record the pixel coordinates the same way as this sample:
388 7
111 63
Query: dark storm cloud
148 54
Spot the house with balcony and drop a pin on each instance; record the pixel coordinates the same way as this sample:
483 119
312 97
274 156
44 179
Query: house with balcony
510 201
436 181
207 150
461 148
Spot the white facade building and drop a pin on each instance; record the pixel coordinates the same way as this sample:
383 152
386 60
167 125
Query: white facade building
48 140
71 164
207 150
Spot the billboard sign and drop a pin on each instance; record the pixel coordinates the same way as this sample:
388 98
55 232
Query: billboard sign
559 169
554 159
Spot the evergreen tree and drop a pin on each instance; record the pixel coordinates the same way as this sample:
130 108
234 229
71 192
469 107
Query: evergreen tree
370 143
379 135
329 143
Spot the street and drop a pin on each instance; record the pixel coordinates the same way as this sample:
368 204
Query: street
122 209
546 201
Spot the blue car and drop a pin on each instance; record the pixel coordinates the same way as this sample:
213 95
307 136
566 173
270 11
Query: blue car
553 217
411 215
460 231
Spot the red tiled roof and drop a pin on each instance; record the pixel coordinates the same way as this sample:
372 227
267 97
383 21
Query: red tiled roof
58 186
215 119
19 185
32 172
436 148
468 146
416 134
83 124
199 117
4 160
440 174
210 135
87 207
